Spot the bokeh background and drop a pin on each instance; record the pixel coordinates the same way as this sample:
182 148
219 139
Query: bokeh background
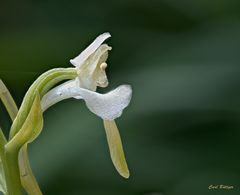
180 133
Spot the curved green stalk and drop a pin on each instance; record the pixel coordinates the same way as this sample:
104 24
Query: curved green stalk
29 131
45 82
14 154
40 86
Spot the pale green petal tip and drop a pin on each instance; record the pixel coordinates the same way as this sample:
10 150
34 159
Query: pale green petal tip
125 174
122 168
123 171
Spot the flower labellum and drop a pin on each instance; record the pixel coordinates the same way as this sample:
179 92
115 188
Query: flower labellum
108 106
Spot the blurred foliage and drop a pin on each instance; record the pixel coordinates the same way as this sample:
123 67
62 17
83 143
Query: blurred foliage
181 131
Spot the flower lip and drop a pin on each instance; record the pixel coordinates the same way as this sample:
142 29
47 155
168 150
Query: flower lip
108 106
78 61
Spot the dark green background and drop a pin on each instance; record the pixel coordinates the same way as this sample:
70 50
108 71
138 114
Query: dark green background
181 131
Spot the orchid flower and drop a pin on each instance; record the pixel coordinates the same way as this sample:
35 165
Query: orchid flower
83 79
91 65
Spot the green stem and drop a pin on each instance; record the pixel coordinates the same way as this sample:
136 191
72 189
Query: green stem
30 129
45 82
10 156
12 173
10 167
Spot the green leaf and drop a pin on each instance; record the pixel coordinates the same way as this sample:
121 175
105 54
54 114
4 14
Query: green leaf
116 149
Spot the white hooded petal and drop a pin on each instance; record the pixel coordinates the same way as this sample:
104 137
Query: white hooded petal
78 61
88 72
99 57
110 105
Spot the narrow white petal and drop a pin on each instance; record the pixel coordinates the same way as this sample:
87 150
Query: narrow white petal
64 91
77 61
110 105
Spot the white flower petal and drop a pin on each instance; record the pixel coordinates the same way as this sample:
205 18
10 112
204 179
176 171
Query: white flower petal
77 61
64 91
110 105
